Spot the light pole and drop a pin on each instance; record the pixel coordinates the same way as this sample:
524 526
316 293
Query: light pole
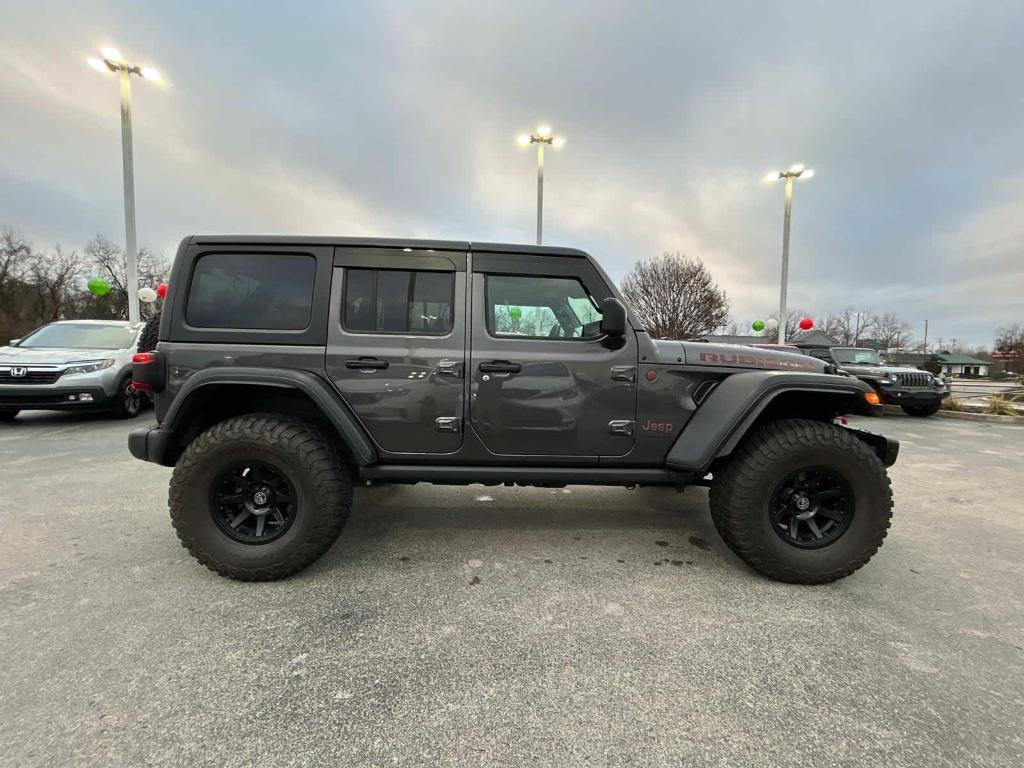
112 61
796 171
541 137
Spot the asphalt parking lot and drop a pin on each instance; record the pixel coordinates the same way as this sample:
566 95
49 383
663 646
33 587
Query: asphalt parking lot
495 626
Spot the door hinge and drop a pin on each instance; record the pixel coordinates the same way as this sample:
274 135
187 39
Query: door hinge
621 427
448 424
624 373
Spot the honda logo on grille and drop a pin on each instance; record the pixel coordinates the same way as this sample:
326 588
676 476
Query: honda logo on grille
19 372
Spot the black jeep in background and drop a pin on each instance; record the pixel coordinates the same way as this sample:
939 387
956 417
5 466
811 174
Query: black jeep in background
917 392
287 370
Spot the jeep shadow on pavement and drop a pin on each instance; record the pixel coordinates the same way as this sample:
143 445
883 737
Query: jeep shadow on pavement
286 370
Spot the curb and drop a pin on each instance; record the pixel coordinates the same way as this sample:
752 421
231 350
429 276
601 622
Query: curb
966 416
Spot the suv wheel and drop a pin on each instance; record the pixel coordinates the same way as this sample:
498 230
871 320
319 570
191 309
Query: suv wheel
128 401
802 501
922 410
259 497
8 415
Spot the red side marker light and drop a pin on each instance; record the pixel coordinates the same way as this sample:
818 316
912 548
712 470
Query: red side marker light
652 375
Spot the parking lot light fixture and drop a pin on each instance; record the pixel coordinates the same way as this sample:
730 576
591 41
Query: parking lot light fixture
796 171
540 137
113 61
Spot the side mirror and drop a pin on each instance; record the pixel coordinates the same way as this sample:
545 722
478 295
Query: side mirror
613 318
13 342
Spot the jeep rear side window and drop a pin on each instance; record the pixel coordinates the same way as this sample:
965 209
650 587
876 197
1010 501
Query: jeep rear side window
272 291
541 308
398 301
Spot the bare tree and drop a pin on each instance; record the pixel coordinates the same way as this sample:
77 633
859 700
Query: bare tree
109 261
676 297
56 277
850 326
891 330
15 284
15 262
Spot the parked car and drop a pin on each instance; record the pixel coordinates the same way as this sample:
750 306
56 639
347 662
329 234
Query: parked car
917 392
289 369
70 365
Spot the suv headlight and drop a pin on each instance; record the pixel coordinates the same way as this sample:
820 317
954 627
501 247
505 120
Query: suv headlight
887 380
89 366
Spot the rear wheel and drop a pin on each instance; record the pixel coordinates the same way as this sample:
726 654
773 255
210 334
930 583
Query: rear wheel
802 501
259 497
8 415
922 410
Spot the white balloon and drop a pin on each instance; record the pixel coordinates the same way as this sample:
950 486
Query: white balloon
147 295
771 324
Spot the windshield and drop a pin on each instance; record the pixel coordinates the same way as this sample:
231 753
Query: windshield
80 336
858 356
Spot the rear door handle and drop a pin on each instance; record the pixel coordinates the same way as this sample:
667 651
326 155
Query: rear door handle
500 366
366 364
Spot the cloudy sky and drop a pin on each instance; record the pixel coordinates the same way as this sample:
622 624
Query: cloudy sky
399 119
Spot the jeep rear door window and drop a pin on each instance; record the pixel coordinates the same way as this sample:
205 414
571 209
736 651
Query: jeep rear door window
398 301
272 291
540 308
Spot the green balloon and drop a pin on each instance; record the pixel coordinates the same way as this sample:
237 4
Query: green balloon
98 286
515 313
758 325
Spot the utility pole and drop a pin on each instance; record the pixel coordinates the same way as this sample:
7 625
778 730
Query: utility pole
541 137
795 172
112 61
924 345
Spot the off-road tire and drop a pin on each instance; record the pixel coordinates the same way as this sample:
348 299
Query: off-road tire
127 401
317 472
922 410
9 415
742 489
150 332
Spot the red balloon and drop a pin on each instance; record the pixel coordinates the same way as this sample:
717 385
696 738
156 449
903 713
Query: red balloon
161 290
806 323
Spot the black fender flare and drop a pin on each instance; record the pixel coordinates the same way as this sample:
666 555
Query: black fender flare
734 405
152 443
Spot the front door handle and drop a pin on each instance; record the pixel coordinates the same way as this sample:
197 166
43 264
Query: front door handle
367 364
500 366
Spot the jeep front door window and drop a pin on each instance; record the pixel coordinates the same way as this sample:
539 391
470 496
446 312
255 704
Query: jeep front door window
541 308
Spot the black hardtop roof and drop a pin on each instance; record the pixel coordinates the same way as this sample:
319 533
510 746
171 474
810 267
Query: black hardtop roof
388 242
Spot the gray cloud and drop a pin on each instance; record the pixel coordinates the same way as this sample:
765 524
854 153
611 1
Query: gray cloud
399 119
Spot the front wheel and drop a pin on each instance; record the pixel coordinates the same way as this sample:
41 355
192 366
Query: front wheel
127 401
259 497
922 410
802 501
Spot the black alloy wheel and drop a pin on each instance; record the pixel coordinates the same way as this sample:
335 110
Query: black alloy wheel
812 507
253 503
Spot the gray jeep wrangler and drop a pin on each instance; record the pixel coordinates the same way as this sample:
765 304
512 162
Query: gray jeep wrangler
917 392
288 369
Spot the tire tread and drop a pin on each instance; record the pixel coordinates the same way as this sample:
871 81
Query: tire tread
735 483
327 470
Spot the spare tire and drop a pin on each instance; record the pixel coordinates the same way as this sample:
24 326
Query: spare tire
150 332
